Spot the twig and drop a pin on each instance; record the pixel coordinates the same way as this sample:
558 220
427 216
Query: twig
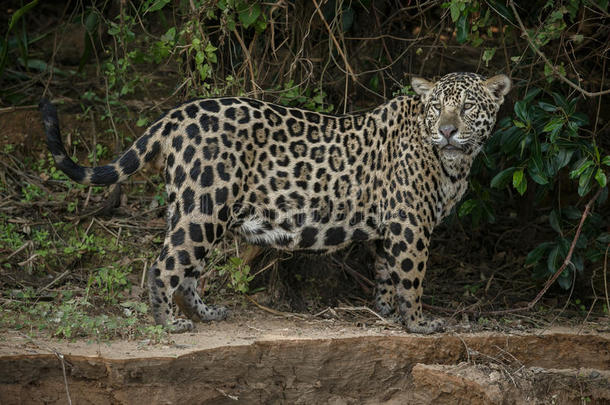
255 87
332 36
55 280
273 311
59 355
526 35
63 370
24 246
366 309
16 108
357 276
549 282
605 277
233 397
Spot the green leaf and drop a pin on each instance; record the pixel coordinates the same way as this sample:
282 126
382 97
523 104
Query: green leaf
571 213
584 182
462 29
170 35
374 82
603 238
519 182
156 5
562 158
553 125
467 207
600 176
14 19
20 13
551 261
537 175
537 253
578 262
521 110
510 139
501 179
560 100
531 95
565 281
547 106
454 8
579 119
554 221
606 160
500 8
248 14
488 55
39 65
580 167
348 18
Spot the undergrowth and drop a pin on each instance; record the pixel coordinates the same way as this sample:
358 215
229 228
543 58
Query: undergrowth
132 60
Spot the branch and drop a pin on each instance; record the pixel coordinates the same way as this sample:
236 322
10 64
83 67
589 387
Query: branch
548 62
567 261
332 36
549 282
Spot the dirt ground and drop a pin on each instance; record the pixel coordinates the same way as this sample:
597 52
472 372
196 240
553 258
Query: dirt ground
257 357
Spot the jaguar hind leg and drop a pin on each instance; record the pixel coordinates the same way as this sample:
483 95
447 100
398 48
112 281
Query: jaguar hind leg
173 278
161 297
385 289
190 303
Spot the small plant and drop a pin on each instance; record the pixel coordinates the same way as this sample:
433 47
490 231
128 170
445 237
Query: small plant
292 95
30 192
100 152
110 281
70 317
239 274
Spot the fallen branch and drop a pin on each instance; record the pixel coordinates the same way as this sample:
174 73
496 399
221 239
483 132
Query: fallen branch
273 311
549 282
566 261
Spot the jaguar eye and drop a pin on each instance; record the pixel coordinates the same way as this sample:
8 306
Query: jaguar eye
468 106
436 106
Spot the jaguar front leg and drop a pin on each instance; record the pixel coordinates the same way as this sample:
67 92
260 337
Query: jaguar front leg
402 255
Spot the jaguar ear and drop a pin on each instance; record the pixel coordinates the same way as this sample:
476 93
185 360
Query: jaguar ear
498 86
421 86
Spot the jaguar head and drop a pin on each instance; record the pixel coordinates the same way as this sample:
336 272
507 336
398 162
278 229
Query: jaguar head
459 111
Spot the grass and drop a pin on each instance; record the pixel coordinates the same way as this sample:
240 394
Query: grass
67 274
71 317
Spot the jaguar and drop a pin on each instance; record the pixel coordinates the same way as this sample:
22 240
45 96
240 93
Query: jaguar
294 179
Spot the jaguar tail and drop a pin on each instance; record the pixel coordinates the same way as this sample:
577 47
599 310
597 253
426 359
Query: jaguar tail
145 149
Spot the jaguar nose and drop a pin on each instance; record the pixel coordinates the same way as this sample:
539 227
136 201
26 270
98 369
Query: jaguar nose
448 131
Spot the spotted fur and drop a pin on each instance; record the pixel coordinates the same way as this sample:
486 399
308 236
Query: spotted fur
299 180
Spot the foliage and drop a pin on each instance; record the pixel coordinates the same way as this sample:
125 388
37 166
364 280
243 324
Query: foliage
71 317
239 274
292 95
551 152
531 150
110 281
21 41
